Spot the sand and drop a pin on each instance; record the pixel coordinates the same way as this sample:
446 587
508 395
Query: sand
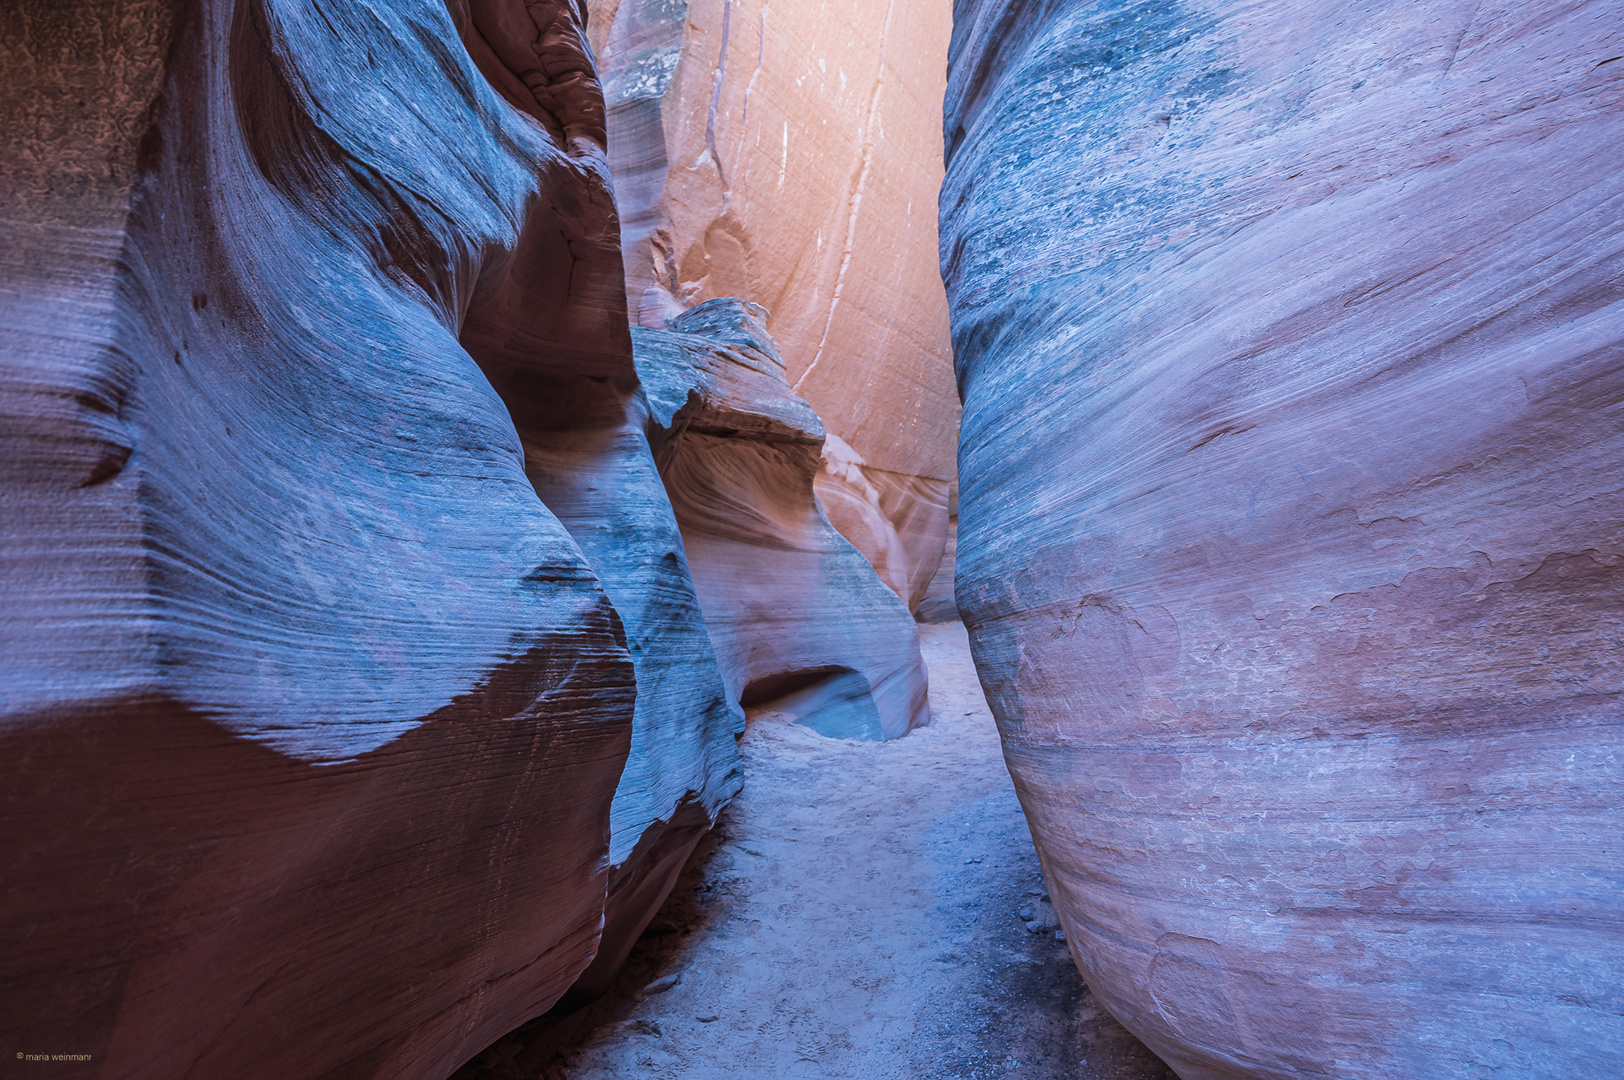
856 914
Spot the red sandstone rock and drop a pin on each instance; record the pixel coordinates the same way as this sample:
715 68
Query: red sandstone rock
898 522
797 615
547 323
790 154
312 711
1292 351
590 461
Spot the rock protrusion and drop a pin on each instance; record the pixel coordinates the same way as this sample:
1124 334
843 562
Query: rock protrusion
316 717
797 615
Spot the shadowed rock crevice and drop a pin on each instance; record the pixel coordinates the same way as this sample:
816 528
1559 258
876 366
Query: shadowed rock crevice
833 701
547 323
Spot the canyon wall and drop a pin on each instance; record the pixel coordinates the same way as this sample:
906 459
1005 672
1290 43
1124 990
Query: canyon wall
1292 358
789 154
797 614
335 555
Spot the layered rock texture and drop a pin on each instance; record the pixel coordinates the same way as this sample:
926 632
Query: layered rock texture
339 580
789 154
938 605
796 612
1292 356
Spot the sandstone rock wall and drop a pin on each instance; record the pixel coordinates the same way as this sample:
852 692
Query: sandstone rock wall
938 605
589 458
315 715
1292 355
548 326
789 154
797 614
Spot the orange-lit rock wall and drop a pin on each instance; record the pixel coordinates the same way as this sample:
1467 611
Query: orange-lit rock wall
790 154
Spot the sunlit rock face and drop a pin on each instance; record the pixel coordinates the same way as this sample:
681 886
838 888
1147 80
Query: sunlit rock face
1292 356
797 615
790 154
316 719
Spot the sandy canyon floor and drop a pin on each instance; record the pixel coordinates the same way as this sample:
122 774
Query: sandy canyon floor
864 910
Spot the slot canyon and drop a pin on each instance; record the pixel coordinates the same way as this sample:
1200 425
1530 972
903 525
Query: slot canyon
587 539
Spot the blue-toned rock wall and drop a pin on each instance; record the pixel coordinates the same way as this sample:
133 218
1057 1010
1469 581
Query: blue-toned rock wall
1291 346
323 657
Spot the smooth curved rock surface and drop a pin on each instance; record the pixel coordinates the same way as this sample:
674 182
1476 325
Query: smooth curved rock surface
1292 355
589 458
790 154
796 613
937 605
900 523
314 716
547 323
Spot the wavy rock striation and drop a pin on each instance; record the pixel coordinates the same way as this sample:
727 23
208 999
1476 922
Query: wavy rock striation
789 154
548 325
1292 356
796 613
314 715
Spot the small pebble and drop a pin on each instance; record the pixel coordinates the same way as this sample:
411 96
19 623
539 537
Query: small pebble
1060 935
662 984
706 1019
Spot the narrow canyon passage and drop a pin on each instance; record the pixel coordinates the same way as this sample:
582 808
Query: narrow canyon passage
471 472
857 913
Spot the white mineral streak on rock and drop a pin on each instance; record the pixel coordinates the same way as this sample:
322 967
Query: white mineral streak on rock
795 611
743 135
1290 338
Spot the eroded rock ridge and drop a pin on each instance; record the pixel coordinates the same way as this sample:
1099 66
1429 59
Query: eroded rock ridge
796 612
